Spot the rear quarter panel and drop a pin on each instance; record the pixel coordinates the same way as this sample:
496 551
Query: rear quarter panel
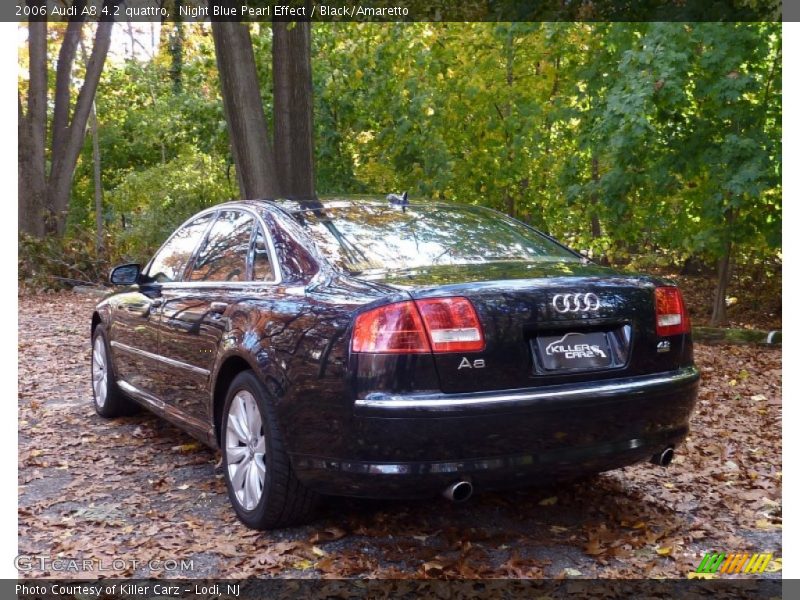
297 341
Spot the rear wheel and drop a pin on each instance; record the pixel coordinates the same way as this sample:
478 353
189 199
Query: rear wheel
109 401
262 486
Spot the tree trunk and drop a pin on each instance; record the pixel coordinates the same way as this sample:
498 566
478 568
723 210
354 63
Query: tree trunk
97 172
719 314
247 127
33 130
508 49
176 39
26 221
98 183
59 185
132 37
595 200
539 219
293 116
66 58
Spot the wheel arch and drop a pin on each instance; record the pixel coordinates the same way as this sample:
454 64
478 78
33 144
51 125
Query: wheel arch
96 320
229 367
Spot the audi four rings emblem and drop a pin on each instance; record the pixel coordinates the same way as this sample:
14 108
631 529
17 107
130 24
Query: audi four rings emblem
564 303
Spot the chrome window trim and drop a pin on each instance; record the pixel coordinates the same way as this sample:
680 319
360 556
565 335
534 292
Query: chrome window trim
170 361
179 285
250 259
276 268
251 256
479 400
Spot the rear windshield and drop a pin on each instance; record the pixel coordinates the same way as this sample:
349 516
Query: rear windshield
372 237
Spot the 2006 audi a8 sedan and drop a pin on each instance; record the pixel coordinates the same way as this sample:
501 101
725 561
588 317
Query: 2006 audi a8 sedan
381 348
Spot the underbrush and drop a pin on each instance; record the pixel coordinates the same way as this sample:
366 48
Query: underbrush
50 264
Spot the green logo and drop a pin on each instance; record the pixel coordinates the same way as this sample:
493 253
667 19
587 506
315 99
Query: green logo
723 562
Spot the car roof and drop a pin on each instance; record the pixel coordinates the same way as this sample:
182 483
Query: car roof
297 206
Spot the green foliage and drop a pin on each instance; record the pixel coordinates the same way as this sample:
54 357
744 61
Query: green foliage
164 149
156 200
151 203
662 137
688 132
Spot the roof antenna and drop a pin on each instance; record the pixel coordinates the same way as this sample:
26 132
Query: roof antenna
398 200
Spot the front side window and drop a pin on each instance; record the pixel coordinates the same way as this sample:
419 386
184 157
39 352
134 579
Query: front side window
223 256
170 262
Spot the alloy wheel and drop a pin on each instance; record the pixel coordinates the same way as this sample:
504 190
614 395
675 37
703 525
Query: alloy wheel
245 447
99 371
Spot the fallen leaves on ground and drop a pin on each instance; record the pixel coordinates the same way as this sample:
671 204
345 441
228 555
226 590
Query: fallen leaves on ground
139 489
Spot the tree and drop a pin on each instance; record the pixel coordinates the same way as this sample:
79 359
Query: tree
44 194
686 118
293 130
176 42
244 111
32 131
96 171
289 170
650 143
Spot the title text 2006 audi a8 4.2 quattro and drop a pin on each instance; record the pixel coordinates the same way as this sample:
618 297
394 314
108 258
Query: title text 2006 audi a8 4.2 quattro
392 349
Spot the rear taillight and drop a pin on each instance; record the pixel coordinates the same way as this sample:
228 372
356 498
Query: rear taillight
452 324
394 328
435 324
671 315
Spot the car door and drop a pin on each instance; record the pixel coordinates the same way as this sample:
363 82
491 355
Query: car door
134 327
197 313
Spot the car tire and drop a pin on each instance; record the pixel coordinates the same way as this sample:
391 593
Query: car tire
109 401
262 486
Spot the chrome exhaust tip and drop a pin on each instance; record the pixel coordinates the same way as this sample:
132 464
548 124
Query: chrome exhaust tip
460 491
664 458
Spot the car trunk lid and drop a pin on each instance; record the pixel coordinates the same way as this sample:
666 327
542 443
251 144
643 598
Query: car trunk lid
545 323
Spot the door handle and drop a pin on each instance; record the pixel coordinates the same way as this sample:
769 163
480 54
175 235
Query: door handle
217 308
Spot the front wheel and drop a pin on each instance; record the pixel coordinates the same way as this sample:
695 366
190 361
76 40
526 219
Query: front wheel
109 401
262 486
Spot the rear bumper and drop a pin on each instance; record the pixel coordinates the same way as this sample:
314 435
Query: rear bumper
561 396
417 444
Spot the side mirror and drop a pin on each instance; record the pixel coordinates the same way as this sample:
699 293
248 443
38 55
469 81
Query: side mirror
125 274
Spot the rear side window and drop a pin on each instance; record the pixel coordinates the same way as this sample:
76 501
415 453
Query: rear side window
170 262
262 267
361 237
223 256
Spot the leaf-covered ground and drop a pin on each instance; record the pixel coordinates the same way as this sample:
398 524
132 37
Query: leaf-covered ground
139 489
